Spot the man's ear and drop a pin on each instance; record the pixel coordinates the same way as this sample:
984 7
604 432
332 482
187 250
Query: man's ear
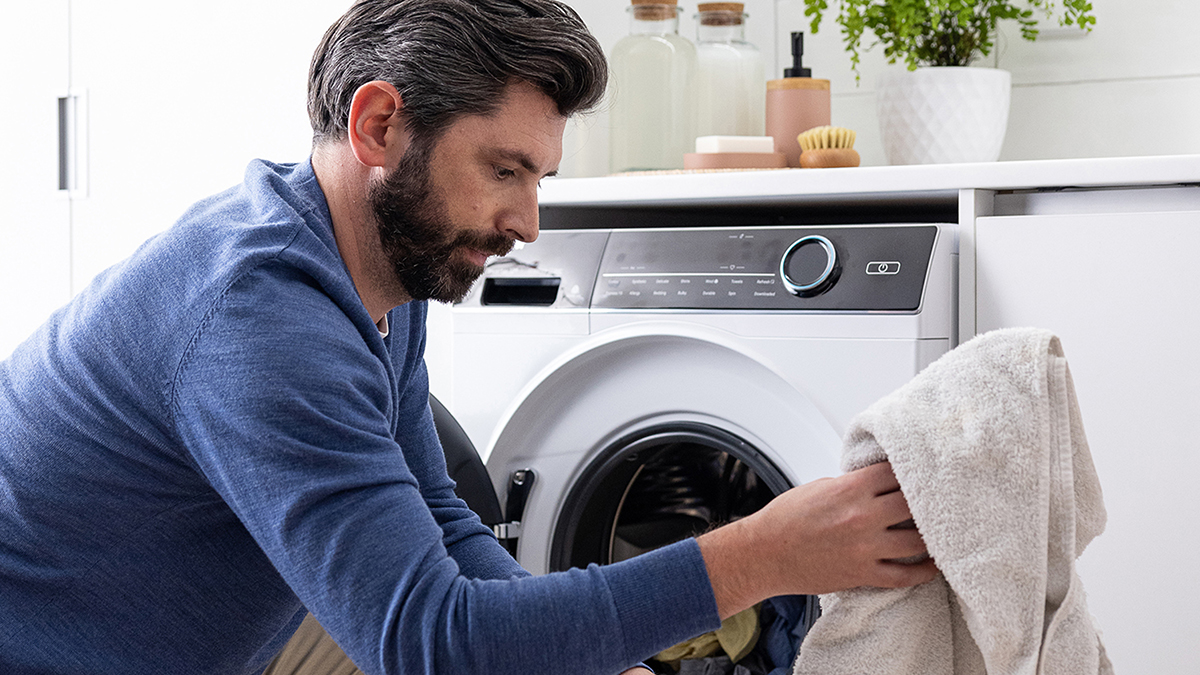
376 128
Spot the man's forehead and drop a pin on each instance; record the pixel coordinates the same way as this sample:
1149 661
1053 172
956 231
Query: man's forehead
525 129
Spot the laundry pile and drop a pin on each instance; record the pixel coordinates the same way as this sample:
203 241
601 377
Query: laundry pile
988 447
762 640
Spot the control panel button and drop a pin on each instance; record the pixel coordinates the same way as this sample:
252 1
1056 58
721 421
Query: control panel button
883 267
809 266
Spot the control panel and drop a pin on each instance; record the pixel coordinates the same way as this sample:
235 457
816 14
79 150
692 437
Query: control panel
835 268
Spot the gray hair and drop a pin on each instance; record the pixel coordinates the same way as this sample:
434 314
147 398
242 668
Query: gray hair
450 58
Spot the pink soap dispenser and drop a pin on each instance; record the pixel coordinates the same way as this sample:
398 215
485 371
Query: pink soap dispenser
795 104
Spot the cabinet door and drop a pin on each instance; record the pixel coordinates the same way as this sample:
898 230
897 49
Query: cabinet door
35 219
1123 294
181 96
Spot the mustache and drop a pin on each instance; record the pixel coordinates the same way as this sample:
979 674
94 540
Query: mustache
492 243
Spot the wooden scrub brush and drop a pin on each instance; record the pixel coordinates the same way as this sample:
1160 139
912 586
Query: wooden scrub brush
827 147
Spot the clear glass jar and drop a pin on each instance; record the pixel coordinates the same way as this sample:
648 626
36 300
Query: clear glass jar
731 82
652 112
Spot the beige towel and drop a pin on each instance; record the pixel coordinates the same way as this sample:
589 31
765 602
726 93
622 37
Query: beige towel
988 446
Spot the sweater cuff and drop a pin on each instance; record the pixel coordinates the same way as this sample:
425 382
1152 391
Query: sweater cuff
663 598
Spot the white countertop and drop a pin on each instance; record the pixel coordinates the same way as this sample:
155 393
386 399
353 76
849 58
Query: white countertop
793 184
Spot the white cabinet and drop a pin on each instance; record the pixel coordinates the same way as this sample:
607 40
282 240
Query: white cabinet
1121 292
179 98
34 213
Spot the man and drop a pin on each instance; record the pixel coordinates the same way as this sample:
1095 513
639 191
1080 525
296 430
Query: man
232 426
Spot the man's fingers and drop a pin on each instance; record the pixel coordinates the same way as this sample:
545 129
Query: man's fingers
892 509
903 544
879 478
900 575
841 533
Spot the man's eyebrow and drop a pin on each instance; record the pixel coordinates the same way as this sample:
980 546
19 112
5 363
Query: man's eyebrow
524 160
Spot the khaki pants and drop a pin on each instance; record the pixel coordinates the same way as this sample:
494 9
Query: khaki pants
311 652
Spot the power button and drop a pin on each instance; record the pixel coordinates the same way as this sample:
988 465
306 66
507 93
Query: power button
888 267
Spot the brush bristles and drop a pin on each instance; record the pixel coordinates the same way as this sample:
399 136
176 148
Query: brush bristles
825 138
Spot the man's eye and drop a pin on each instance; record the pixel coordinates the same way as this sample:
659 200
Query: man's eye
503 173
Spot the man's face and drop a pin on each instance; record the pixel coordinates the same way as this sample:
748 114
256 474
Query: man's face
449 205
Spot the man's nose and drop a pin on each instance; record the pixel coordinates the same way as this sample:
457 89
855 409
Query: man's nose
520 220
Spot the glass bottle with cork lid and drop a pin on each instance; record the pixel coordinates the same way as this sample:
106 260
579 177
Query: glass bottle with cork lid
731 84
652 90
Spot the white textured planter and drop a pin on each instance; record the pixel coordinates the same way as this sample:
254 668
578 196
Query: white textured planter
943 114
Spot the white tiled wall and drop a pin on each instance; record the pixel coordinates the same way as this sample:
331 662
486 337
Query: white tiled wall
1130 87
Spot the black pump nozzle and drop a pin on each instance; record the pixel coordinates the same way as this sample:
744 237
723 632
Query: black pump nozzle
797 70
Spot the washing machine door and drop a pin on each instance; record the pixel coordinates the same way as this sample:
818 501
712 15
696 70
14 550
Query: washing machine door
659 431
659 485
465 467
647 397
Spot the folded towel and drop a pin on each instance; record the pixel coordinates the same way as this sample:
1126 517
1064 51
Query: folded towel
988 447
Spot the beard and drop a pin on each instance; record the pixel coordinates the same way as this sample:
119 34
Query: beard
426 250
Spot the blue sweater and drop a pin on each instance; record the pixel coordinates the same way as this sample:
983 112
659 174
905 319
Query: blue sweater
214 435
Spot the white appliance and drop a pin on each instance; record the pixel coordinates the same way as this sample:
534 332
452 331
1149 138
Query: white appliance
656 380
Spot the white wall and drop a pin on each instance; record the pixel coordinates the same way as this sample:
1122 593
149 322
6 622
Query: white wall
1130 87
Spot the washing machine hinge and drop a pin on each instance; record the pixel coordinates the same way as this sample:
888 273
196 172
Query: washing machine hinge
520 482
507 530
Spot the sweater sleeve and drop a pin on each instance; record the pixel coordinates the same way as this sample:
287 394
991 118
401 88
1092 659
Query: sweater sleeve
287 413
467 540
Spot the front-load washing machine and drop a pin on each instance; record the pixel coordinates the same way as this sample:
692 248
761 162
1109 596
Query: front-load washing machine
639 385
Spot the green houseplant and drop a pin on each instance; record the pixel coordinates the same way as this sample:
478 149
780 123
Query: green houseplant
940 32
938 110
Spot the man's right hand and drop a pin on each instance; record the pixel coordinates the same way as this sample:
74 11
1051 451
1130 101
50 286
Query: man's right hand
824 536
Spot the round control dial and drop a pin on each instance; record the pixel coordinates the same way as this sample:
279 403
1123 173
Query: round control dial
809 266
